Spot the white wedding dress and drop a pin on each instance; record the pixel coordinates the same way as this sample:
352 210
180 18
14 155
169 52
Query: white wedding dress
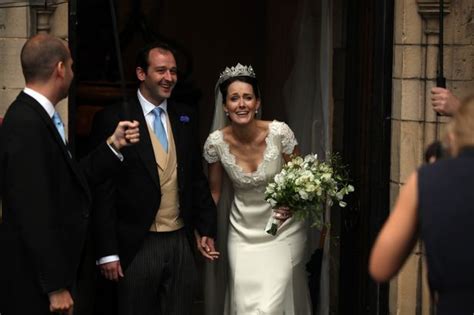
266 273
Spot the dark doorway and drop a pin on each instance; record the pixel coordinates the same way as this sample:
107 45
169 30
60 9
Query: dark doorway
213 34
366 147
208 35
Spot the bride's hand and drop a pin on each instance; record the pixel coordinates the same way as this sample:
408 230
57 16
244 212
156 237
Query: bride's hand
282 213
206 247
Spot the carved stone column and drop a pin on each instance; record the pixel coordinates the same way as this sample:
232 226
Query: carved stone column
429 11
43 20
41 12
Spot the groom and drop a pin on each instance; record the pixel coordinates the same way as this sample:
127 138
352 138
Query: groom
145 218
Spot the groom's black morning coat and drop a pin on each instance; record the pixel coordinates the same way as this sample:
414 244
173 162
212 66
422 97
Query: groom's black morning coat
125 207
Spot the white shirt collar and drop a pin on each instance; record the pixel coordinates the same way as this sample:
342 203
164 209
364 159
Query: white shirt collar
147 106
40 98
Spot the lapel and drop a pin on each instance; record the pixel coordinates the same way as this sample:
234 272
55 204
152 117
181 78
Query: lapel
180 140
144 147
31 102
176 126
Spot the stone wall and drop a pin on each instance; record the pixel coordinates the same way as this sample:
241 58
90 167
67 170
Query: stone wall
20 20
414 124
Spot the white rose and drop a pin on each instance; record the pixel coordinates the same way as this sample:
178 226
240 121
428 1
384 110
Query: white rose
303 194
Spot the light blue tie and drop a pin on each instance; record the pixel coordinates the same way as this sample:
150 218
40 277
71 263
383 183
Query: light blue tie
159 128
59 125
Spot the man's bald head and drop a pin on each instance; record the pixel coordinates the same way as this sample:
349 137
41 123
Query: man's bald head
40 55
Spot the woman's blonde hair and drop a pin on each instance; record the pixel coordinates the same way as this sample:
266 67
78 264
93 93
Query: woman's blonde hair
461 126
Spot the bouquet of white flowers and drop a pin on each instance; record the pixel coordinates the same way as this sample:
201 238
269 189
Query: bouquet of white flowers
305 186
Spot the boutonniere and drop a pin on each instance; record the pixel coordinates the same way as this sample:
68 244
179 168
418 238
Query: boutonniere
184 119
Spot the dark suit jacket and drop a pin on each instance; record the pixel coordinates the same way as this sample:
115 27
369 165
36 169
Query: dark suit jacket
125 207
46 202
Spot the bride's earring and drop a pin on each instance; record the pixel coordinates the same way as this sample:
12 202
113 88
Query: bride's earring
256 111
227 114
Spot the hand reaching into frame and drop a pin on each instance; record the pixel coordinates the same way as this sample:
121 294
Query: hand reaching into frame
444 102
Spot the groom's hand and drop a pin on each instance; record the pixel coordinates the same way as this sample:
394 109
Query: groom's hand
111 270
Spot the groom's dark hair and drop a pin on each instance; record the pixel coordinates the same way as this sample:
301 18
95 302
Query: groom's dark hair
143 54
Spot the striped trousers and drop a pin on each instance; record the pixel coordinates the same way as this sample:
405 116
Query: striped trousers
161 280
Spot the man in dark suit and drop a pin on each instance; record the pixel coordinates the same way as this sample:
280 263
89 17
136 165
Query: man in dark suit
146 217
45 193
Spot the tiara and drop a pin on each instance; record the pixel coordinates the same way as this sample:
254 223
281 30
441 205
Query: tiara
238 70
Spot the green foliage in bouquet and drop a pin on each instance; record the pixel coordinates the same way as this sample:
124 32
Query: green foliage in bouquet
307 184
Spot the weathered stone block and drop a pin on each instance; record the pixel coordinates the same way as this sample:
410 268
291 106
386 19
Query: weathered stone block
408 99
59 21
411 99
396 103
395 152
14 22
397 66
433 133
411 23
398 29
458 23
7 96
411 148
11 75
413 61
431 61
408 23
394 192
407 286
449 53
462 89
462 63
393 296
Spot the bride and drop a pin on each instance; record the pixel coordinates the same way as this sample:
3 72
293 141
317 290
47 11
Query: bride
266 273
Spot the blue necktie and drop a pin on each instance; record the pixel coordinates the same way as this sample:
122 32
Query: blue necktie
159 128
59 125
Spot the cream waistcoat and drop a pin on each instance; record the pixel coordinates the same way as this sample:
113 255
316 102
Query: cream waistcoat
167 217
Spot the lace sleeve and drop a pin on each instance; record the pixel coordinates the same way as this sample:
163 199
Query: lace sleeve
210 150
288 139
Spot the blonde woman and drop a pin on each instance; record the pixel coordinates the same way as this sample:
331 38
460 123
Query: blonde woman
437 204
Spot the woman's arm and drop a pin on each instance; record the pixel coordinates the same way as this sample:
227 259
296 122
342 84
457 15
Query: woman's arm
398 235
215 180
